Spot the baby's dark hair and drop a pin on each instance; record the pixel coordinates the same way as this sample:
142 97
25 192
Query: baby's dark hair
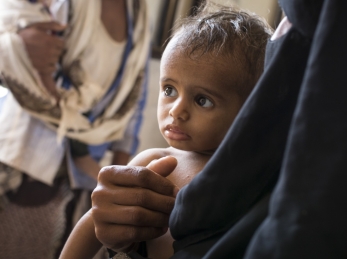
236 35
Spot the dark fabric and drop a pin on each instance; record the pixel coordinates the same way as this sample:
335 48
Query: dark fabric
141 252
33 193
78 149
308 208
237 238
234 241
303 14
295 123
111 253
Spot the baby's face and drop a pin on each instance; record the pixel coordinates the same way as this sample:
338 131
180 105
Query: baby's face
197 103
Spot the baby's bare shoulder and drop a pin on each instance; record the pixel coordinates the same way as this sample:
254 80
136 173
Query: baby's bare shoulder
146 156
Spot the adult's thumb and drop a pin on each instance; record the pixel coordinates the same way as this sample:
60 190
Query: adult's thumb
163 166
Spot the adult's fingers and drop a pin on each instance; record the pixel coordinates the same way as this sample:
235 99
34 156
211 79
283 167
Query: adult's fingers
130 215
133 197
134 176
34 35
49 26
131 204
43 49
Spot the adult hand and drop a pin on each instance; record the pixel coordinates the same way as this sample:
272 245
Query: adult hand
44 48
133 204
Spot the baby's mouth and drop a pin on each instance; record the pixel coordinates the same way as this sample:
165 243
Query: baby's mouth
175 133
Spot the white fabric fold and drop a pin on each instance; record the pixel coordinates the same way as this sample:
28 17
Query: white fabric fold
30 120
90 84
27 144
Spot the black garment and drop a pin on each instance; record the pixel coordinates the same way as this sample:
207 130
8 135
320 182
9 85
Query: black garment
293 126
141 252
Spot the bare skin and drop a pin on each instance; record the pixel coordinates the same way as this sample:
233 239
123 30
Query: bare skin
191 163
44 49
156 196
120 158
142 212
114 12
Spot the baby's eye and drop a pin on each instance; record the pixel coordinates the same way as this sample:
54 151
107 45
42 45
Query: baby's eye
203 102
170 91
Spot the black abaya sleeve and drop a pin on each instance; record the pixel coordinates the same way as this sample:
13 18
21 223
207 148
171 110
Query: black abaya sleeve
308 209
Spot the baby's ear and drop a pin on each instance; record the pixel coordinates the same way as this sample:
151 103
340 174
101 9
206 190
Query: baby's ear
163 166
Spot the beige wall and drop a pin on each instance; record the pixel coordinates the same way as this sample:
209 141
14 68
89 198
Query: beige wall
264 8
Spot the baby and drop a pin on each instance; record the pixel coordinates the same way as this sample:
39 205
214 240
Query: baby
207 71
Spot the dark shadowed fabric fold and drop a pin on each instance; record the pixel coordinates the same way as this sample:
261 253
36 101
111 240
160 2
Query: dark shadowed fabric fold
307 213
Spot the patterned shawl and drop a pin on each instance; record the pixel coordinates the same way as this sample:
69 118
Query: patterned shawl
89 85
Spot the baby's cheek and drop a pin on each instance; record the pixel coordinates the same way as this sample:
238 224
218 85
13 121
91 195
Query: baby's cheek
223 127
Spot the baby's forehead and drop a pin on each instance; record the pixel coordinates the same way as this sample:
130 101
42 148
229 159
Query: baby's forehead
201 69
176 53
197 48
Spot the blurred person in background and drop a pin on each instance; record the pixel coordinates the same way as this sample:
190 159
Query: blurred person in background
76 73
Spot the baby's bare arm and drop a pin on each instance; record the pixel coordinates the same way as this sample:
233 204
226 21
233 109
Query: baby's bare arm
82 242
